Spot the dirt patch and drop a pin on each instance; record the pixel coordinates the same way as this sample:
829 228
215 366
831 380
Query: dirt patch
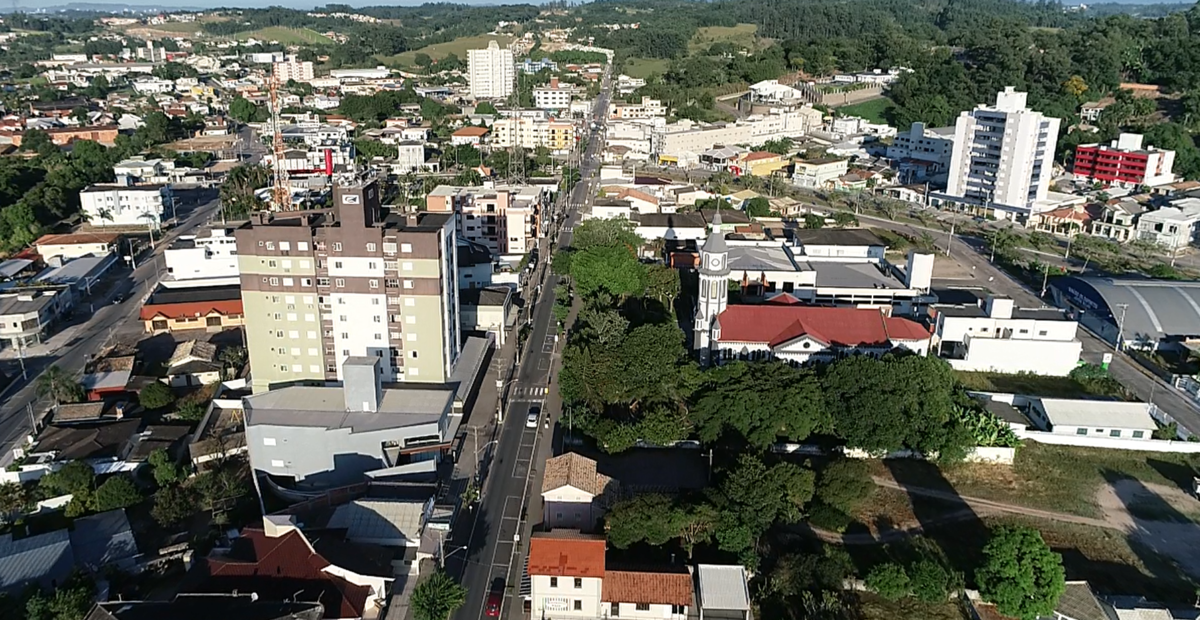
1161 518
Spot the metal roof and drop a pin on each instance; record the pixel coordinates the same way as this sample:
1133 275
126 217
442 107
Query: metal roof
1097 413
722 587
393 523
40 559
1152 308
103 538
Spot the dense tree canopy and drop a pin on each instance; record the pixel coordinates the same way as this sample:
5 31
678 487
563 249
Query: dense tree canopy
1020 574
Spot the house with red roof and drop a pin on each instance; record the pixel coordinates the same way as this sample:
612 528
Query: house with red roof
278 562
469 135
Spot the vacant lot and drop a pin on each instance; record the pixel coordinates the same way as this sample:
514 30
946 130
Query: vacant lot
645 67
286 36
876 110
458 47
742 35
1030 385
873 607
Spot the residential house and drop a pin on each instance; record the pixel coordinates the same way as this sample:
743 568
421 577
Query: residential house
26 314
997 337
566 570
1124 163
176 309
1173 227
1093 418
1090 112
574 494
471 135
819 173
48 560
661 594
75 245
1118 220
722 592
135 206
193 363
107 375
205 259
762 163
1067 220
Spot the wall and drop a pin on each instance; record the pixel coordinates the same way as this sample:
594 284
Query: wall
629 610
544 598
1056 359
854 96
1144 445
957 328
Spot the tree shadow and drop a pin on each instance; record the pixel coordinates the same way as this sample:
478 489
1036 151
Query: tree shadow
923 481
1182 475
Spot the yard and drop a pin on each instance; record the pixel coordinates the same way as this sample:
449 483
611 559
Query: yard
1031 385
876 110
874 607
645 67
458 47
742 35
286 36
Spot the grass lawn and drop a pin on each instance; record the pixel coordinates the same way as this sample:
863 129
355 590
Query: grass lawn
645 67
876 110
286 36
1032 385
875 607
1057 478
741 34
180 27
458 47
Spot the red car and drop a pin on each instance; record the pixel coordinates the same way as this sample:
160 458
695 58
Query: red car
494 601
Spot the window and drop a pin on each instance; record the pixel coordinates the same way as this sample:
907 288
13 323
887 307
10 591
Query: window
393 301
276 463
268 441
342 318
642 606
271 263
288 282
284 245
337 246
406 248
373 283
391 283
410 301
1081 431
1042 333
337 264
1138 434
283 368
306 282
278 316
345 335
377 319
322 281
1114 433
374 301
270 245
302 246
372 265
340 282
371 247
274 281
407 283
378 336
616 610
578 583
578 606
554 582
389 248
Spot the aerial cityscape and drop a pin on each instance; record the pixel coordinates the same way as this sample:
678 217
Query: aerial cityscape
649 309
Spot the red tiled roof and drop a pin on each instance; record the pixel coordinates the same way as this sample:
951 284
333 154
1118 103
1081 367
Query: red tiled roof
622 586
559 555
757 155
470 132
77 238
191 309
775 324
282 567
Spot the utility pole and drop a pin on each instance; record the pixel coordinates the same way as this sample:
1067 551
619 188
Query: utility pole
950 237
1121 327
1045 277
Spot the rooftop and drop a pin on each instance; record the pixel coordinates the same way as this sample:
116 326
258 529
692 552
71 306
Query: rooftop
576 471
72 443
13 304
566 553
325 407
655 588
839 327
855 275
78 238
757 259
495 295
1097 413
722 587
34 559
206 607
382 522
198 294
78 269
838 236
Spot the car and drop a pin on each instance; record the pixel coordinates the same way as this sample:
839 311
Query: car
532 419
495 599
118 299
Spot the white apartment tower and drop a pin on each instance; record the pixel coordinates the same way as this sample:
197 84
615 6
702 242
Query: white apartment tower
1003 157
294 69
491 72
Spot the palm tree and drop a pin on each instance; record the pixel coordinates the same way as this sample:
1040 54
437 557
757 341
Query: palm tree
59 385
232 360
437 597
105 214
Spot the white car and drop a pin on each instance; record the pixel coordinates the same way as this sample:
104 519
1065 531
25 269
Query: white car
532 419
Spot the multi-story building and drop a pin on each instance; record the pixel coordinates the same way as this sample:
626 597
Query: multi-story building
558 136
552 96
819 173
1173 227
410 156
208 258
1118 221
505 218
114 205
27 314
1124 163
294 69
920 143
993 336
321 286
1003 158
533 66
647 108
491 72
139 170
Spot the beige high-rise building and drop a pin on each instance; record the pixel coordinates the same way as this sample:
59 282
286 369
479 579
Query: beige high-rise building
505 218
324 285
491 72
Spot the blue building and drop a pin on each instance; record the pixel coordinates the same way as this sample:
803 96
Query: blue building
533 66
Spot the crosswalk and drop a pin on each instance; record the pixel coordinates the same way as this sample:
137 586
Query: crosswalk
529 392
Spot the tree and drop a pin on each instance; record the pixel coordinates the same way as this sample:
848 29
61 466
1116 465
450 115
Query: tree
437 597
75 478
617 232
238 190
59 385
761 401
37 141
614 269
1075 86
753 497
70 601
232 360
116 492
421 59
842 219
888 580
758 206
173 504
166 472
192 410
930 580
662 284
1020 574
651 518
812 221
844 483
486 107
156 395
14 499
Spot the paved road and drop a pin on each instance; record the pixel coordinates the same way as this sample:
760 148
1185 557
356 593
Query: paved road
487 549
70 347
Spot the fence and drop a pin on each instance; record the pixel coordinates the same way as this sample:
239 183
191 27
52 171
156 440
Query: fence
1002 456
1112 443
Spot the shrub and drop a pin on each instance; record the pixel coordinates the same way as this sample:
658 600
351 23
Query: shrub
889 581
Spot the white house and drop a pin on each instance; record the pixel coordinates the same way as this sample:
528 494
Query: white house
193 363
1093 418
410 156
208 258
566 573
996 337
113 205
660 595
819 173
574 494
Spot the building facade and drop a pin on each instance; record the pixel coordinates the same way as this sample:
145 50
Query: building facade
294 69
506 219
920 143
996 337
112 205
1124 163
1003 157
491 72
526 133
321 286
1173 227
208 257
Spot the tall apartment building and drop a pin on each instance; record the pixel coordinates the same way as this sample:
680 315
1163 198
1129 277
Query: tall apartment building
322 286
1124 163
558 136
506 218
1003 158
294 69
491 72
116 205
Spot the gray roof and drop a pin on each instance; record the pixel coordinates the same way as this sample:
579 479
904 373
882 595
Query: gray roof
77 269
755 259
854 275
103 538
380 521
722 587
206 607
43 559
1078 602
12 267
836 236
1152 308
716 239
325 407
13 304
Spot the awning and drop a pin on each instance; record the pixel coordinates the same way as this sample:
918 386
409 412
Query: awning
667 159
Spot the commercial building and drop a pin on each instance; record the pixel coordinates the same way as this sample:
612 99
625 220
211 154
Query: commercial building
1093 418
526 133
491 72
207 258
293 69
1137 312
504 218
114 205
26 315
211 308
996 337
552 96
923 144
530 65
646 108
1124 163
322 437
1003 159
324 285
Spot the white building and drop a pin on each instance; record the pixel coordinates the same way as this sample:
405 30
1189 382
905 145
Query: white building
1000 338
491 72
1003 158
1093 418
294 69
153 86
410 156
139 170
558 136
646 108
574 494
552 97
921 143
1173 227
819 173
113 205
208 258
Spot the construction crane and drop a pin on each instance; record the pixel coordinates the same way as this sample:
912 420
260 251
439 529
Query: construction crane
281 191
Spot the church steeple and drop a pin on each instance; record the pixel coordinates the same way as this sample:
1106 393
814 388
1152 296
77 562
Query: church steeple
713 293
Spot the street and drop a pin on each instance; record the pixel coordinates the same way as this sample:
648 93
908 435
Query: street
494 537
71 346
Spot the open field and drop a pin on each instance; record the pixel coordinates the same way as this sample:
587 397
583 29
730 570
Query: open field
286 36
645 67
176 27
742 35
458 47
875 110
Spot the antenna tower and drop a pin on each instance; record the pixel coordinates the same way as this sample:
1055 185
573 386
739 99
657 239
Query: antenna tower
281 192
516 155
